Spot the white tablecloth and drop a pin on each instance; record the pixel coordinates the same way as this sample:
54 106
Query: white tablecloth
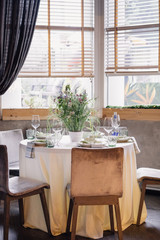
54 167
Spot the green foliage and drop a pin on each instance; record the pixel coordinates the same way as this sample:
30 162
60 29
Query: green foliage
29 102
72 109
34 102
137 106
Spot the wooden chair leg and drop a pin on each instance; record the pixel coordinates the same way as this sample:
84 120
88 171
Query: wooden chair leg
45 210
111 218
6 217
21 211
74 220
118 217
141 202
69 216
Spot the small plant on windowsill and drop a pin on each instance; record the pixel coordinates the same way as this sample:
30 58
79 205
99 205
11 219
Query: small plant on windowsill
137 106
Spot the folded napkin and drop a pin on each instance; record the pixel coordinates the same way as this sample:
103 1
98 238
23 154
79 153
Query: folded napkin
30 153
136 148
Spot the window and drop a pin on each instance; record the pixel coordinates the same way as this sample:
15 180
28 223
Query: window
132 51
61 52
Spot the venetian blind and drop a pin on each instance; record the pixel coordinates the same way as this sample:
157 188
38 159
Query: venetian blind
132 36
63 44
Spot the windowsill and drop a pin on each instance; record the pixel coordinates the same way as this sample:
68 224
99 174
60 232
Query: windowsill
125 114
134 114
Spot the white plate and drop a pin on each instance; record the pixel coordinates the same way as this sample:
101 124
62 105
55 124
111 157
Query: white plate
87 145
40 143
92 145
98 145
41 136
123 139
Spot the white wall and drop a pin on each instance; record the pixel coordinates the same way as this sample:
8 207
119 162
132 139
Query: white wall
12 98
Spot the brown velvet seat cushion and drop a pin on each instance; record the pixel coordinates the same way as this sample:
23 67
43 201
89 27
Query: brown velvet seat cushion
20 185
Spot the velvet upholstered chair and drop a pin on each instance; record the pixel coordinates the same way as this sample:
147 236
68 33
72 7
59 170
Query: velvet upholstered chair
147 176
12 138
96 179
17 188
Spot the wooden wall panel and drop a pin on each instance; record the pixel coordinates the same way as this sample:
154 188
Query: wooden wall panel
24 114
125 114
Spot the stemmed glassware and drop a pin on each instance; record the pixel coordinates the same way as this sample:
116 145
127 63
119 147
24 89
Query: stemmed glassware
107 124
35 122
57 129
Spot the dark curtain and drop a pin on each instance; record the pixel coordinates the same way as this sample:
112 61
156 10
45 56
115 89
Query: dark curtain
17 22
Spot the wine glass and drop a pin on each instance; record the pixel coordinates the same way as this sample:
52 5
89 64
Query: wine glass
57 129
35 122
58 137
107 124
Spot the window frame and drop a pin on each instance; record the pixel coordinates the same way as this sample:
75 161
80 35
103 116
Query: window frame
145 114
110 71
49 28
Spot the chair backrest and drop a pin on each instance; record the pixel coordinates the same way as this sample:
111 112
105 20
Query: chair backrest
4 173
97 172
11 139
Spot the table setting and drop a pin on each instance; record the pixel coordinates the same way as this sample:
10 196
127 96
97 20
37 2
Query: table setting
51 163
107 134
74 113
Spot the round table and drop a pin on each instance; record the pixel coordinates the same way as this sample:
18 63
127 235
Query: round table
53 165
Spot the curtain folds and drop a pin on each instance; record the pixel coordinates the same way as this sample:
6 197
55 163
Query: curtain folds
17 22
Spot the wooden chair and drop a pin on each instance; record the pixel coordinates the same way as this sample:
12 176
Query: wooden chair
96 179
17 188
147 176
12 138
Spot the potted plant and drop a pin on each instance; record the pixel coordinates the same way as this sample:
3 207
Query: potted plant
73 109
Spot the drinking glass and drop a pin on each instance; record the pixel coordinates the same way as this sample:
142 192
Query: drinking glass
30 134
50 140
57 129
112 140
123 131
58 138
35 122
107 124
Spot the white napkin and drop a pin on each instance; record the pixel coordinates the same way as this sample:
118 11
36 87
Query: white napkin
136 148
30 150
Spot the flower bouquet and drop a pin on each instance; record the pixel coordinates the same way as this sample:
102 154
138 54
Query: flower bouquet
72 109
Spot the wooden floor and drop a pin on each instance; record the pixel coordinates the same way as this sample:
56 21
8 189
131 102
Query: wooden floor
150 230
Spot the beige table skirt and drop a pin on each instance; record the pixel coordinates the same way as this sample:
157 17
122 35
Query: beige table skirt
54 167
